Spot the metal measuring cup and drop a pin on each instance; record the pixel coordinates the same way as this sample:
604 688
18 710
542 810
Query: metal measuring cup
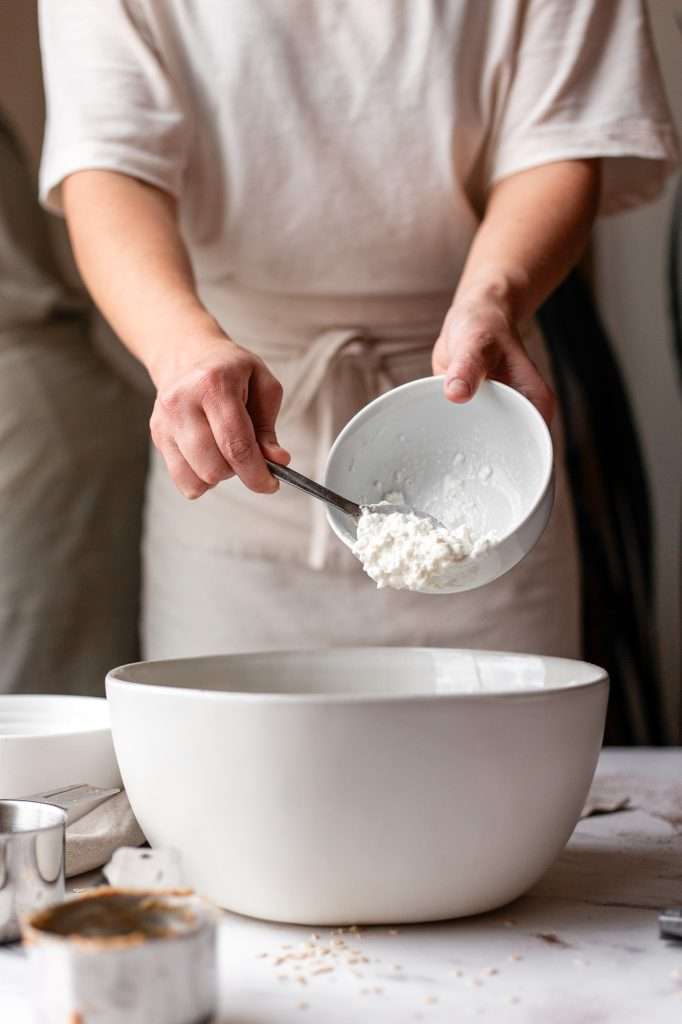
32 834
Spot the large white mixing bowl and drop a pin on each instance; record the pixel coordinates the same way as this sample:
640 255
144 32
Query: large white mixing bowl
359 785
487 463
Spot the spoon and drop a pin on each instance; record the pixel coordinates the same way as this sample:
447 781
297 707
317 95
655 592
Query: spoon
351 508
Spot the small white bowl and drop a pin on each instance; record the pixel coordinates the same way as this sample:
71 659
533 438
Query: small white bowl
47 742
492 455
357 786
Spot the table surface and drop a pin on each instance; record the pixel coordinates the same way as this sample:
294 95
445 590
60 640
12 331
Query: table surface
581 948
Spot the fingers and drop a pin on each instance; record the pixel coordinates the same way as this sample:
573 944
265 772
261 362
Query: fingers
181 473
486 345
235 437
217 420
524 375
196 443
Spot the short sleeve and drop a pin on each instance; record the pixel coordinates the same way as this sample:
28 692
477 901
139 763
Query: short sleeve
110 103
585 83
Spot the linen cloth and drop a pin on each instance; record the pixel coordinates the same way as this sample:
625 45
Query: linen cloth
92 840
331 161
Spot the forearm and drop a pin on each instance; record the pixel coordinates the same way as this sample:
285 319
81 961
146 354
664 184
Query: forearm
534 230
132 258
217 403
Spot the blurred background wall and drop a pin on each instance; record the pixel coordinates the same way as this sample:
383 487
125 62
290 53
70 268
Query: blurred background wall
629 276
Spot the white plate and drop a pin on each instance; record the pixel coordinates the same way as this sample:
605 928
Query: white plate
49 741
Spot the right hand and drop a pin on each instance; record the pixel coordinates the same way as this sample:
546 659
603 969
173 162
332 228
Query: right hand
214 418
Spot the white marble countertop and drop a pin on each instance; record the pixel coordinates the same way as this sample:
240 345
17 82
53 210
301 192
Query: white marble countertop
581 948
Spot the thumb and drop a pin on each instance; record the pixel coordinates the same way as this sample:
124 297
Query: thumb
263 405
469 364
271 447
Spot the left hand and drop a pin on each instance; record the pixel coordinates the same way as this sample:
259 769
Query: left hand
479 340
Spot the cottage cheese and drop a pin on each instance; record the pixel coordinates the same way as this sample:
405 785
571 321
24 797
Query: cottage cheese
407 552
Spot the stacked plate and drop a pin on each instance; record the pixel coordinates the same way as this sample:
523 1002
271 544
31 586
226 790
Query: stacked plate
51 741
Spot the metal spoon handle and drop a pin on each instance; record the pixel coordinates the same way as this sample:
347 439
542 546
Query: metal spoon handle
290 476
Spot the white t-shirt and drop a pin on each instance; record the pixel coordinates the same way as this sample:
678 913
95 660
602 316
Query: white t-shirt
345 146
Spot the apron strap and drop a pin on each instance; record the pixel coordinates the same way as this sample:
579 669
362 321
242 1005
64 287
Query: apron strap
313 383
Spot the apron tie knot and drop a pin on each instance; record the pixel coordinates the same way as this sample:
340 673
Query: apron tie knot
334 353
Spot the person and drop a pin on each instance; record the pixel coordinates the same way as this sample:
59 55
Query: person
284 210
69 529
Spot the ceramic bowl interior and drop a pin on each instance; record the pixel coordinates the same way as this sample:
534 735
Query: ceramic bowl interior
491 457
358 674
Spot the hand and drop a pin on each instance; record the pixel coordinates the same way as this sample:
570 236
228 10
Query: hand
214 418
478 340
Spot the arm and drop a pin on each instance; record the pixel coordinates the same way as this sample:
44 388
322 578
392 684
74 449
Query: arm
534 229
217 403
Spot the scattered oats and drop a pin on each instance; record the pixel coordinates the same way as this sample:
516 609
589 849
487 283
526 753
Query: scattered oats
378 990
354 930
365 960
365 991
338 943
324 970
354 960
431 1000
314 935
513 1000
393 931
475 983
324 951
279 960
489 971
397 967
456 972
516 956
358 974
261 956
286 947
303 1006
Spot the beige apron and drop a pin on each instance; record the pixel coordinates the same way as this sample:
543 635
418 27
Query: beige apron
239 571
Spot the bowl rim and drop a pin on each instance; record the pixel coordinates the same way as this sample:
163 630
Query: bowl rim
114 678
70 729
426 383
